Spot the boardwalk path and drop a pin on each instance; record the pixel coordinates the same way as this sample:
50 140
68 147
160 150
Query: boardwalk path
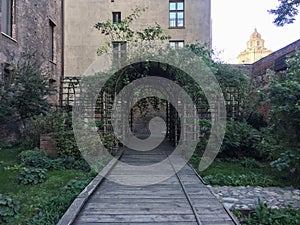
181 199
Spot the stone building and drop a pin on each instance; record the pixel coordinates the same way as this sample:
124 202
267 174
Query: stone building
255 49
32 27
186 21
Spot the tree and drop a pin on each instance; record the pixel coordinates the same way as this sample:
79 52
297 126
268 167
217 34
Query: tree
285 12
284 97
122 31
24 91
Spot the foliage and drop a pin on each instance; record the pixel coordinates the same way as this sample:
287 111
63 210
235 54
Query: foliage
122 31
257 120
23 91
35 158
32 197
9 208
284 97
264 215
285 12
109 141
289 161
285 120
239 180
32 176
250 163
54 207
38 159
58 123
241 140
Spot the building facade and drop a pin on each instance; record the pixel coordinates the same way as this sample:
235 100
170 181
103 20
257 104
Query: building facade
186 21
32 27
255 49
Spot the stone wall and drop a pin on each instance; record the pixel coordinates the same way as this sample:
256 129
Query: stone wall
31 34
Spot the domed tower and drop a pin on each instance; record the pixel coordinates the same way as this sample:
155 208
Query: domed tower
255 49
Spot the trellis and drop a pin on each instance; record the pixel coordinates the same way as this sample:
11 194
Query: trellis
103 110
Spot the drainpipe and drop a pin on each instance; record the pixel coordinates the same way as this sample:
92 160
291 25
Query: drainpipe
62 52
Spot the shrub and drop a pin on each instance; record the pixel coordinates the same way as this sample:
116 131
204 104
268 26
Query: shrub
289 162
54 207
241 140
264 216
32 176
81 164
250 163
35 158
109 141
9 208
60 124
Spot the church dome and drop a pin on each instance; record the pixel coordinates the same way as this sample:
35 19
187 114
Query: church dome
255 34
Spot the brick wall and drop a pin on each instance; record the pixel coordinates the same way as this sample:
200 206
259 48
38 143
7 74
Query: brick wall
31 33
274 61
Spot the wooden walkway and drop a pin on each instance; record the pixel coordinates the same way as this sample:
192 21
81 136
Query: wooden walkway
181 199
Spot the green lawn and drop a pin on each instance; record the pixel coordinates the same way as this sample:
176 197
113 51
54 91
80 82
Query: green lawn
32 197
261 174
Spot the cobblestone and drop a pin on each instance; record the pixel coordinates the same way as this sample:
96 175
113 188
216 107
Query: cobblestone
246 198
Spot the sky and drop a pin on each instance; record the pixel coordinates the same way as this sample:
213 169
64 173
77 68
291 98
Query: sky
233 21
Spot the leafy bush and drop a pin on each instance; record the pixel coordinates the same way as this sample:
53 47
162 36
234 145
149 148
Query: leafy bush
38 159
250 163
109 141
60 124
54 207
81 164
241 140
23 93
257 120
289 161
264 216
32 176
284 96
35 158
239 180
9 208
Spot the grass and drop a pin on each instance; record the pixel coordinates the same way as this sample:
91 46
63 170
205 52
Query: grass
31 197
226 167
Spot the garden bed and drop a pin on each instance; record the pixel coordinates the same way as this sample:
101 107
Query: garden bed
40 202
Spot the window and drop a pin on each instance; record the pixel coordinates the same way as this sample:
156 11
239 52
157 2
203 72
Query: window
258 43
176 8
8 17
177 44
51 41
119 50
116 17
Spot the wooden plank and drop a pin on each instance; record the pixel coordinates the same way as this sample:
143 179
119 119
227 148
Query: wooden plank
142 223
136 218
163 203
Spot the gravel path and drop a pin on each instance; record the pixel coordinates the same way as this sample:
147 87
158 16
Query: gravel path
246 198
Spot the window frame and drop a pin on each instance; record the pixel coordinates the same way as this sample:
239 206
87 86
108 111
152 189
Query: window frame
176 43
176 11
118 17
8 18
120 53
52 42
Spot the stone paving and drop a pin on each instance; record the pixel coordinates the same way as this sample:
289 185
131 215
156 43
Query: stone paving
246 198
